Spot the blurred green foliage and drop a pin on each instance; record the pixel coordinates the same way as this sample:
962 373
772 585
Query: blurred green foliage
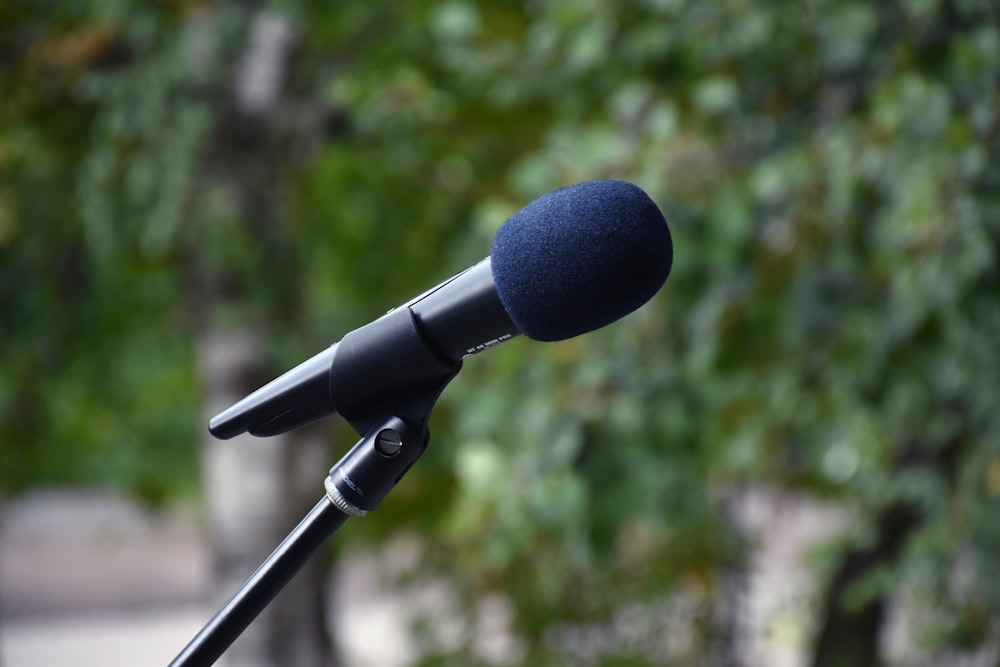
830 171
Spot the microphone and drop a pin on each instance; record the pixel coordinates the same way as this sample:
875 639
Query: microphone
572 261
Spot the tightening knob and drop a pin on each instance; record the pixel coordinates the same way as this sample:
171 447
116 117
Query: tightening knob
388 442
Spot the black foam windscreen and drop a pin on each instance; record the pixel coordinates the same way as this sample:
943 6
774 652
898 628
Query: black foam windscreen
580 257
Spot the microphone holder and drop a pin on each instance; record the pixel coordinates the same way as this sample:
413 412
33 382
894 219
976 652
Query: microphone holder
354 487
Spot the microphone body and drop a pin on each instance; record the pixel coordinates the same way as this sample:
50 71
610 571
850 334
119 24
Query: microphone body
417 343
572 261
464 315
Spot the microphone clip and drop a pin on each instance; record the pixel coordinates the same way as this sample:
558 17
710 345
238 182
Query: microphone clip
367 386
389 400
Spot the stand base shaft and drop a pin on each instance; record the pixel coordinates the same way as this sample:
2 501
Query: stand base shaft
258 591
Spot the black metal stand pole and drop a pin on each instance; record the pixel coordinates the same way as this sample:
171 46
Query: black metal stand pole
354 487
258 591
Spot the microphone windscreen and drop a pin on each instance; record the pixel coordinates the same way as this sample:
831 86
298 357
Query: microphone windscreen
579 258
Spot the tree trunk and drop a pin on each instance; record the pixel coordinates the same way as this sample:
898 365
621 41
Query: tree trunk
849 635
257 489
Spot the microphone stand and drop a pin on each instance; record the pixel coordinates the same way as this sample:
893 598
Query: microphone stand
355 486
388 398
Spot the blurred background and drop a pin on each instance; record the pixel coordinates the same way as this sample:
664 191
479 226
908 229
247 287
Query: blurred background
791 456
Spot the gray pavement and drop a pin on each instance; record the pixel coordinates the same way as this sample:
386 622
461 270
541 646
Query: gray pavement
107 639
93 579
64 553
89 578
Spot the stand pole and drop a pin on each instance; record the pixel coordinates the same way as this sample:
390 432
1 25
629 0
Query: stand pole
258 591
354 487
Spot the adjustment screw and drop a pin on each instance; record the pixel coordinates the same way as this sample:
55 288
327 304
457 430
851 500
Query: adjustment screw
388 442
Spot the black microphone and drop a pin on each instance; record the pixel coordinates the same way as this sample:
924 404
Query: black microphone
572 261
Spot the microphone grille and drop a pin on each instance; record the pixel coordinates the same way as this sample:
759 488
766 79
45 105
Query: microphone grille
580 257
